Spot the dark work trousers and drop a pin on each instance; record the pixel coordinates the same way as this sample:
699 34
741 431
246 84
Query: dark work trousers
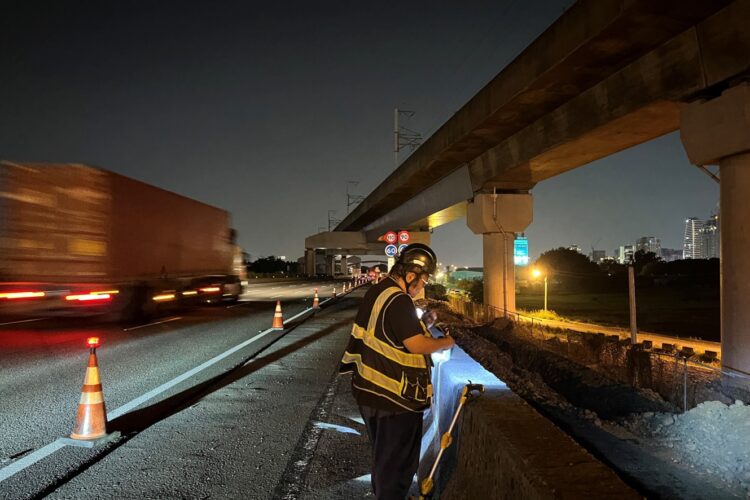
395 439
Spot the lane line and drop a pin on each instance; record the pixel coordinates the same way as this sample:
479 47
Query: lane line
30 459
168 385
298 315
21 321
152 324
45 451
180 378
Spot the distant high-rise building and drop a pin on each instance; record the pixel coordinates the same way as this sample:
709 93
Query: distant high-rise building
671 254
625 254
597 255
710 237
649 244
693 243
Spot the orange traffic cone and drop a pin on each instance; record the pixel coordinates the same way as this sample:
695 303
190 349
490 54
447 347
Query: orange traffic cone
334 292
278 319
316 300
91 419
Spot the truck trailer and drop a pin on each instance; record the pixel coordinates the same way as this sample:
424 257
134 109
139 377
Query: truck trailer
81 240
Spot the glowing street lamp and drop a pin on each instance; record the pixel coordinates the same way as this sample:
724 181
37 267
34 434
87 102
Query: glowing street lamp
536 272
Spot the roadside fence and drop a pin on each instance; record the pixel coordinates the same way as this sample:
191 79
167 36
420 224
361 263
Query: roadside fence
678 375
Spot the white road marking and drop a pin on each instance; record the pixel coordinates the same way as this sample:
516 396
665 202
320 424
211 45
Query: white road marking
152 324
341 428
45 451
168 385
31 459
21 321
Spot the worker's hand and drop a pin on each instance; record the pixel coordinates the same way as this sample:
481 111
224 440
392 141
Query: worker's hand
421 344
429 318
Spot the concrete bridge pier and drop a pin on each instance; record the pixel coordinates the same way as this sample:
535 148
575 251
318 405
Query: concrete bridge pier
718 132
344 265
497 217
310 262
330 265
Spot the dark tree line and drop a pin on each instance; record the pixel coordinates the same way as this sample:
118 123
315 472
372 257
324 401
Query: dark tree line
572 271
271 265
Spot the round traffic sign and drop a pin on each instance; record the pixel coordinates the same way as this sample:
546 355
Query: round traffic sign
404 236
391 237
391 250
401 247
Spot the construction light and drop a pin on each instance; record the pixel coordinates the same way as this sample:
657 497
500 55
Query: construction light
93 342
210 289
163 297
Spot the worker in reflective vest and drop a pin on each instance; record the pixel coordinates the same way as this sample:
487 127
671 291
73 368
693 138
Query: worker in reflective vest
388 355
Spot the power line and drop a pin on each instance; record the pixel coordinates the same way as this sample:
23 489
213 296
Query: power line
403 137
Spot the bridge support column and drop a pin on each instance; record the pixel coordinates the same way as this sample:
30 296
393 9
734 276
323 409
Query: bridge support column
330 262
499 271
344 265
498 218
310 262
718 132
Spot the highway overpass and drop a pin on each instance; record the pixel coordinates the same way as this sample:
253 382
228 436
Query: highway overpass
607 75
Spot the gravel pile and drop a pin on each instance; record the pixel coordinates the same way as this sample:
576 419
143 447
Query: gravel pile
712 437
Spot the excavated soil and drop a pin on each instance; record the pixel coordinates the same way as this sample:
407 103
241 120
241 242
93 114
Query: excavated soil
630 418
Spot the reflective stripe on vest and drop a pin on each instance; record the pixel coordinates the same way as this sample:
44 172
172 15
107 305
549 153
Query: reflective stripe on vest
401 361
374 376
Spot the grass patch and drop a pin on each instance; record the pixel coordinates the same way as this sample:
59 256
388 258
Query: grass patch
690 312
542 314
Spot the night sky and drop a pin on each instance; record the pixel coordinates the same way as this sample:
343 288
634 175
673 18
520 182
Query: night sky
267 110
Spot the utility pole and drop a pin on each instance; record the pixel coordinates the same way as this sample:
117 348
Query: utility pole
631 296
403 136
331 220
395 138
352 199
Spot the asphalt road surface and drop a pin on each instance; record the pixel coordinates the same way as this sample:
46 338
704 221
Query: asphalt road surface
43 364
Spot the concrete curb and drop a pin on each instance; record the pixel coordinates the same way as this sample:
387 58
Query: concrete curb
509 449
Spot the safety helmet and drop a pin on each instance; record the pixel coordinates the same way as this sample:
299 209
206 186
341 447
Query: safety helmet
418 255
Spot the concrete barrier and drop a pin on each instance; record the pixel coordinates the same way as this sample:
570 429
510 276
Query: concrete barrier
503 448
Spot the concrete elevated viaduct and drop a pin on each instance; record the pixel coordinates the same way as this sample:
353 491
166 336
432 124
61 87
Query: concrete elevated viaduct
607 75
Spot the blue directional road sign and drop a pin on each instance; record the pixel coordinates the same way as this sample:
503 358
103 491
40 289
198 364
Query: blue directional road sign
521 252
401 247
391 250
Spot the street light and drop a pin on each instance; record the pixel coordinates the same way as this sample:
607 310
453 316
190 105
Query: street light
536 272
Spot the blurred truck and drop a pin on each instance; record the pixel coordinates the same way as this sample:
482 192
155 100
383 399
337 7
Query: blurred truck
80 240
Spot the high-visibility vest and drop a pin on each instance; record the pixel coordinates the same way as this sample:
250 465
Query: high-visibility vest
384 369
